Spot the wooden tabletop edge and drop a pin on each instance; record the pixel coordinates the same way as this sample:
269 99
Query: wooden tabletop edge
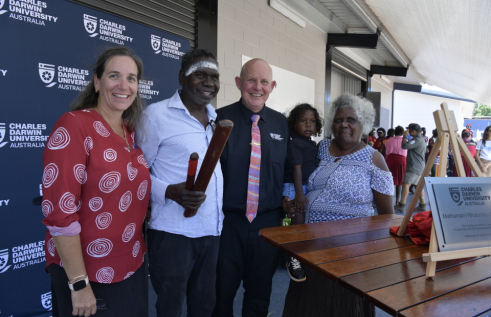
304 227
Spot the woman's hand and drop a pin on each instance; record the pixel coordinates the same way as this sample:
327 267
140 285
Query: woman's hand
70 250
288 206
84 302
483 167
300 201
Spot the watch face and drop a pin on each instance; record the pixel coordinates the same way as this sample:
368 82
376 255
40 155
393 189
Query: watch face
79 285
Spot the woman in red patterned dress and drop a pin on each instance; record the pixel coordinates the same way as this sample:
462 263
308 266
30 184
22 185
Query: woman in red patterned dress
380 141
96 187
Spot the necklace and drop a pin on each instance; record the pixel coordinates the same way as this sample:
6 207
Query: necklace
122 126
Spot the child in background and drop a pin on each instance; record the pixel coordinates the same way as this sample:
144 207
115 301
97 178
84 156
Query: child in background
303 122
371 138
429 148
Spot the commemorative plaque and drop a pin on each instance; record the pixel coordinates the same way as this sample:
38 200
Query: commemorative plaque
461 209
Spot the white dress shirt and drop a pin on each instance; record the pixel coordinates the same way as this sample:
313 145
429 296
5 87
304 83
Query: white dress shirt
168 135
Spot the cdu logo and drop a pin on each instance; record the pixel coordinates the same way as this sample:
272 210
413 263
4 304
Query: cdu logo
2 2
90 24
46 301
155 43
4 259
47 74
455 194
2 136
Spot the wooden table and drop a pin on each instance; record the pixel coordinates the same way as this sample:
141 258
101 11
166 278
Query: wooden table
387 270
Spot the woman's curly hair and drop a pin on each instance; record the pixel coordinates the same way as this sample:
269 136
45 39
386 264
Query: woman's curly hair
297 112
362 107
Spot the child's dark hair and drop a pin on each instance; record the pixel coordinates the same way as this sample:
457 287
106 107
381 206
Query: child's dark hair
399 130
484 135
295 114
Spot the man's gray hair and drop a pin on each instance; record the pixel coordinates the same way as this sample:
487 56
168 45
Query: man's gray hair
362 107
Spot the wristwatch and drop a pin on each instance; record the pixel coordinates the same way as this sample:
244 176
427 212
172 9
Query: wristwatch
78 285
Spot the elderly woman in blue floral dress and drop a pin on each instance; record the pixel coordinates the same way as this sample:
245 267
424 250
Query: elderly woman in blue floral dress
350 176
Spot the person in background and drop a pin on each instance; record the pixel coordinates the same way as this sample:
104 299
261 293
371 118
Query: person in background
450 162
415 164
471 146
381 138
370 140
96 188
183 251
351 175
431 144
391 133
483 152
395 156
253 165
303 122
468 126
409 136
423 134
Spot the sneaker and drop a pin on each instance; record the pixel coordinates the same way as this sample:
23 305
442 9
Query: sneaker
399 208
295 270
420 208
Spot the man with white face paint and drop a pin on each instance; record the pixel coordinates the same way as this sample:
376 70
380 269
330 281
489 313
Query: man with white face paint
253 164
183 251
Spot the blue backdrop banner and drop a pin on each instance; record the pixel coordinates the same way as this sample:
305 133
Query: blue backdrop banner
48 49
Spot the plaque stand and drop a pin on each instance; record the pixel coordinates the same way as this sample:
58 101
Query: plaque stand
447 134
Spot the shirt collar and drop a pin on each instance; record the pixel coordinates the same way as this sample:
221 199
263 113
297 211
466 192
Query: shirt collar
295 135
176 102
247 114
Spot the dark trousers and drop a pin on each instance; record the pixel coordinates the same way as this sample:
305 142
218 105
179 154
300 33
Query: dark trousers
128 298
244 256
183 267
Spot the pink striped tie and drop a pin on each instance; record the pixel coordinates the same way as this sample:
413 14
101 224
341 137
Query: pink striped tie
254 170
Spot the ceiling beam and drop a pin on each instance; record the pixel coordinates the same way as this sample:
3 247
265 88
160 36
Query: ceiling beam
388 70
352 40
362 11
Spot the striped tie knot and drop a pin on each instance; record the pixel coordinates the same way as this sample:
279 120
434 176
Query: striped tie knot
255 119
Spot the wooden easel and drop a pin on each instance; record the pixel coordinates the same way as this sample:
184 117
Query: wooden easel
447 133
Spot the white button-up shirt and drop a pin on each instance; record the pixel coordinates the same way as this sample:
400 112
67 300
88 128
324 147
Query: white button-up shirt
168 135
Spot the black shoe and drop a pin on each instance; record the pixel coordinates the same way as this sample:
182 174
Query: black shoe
295 270
399 208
